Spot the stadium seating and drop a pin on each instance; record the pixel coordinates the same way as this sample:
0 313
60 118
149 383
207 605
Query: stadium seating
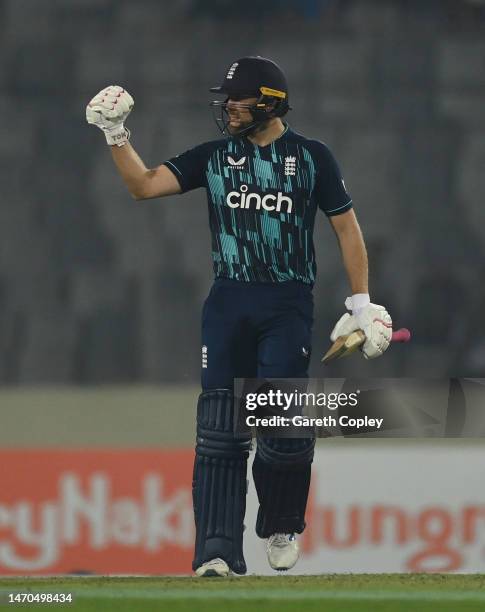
95 287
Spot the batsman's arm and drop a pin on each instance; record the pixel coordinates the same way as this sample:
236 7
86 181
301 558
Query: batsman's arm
108 111
353 250
143 183
372 320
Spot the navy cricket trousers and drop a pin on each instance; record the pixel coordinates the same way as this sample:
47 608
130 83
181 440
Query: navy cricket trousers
255 330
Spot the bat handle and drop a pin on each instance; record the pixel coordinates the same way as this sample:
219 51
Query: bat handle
401 335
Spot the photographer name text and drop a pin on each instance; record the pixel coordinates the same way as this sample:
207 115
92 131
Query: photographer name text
303 421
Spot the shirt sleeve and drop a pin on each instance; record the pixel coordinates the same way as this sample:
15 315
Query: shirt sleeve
329 192
190 167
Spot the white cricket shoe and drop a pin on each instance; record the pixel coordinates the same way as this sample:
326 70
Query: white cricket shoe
214 567
282 550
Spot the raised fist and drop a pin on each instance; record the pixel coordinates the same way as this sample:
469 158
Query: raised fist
108 110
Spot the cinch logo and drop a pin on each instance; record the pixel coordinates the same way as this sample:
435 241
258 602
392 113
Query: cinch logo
236 199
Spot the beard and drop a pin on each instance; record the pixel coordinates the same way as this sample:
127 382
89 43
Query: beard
246 128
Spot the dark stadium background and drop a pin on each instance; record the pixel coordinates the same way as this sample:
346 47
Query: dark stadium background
97 288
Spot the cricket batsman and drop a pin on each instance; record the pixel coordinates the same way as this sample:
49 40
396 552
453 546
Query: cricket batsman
264 184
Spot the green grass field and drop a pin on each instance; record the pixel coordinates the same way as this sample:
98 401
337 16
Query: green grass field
330 593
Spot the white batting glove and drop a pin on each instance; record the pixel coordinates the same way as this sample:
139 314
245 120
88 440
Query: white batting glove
373 320
108 110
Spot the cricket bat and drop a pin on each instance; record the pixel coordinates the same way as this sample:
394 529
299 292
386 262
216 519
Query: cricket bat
346 345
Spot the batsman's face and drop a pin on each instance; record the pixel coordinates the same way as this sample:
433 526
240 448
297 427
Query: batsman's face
239 115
